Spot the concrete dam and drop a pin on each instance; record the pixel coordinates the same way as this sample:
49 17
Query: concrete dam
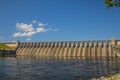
86 49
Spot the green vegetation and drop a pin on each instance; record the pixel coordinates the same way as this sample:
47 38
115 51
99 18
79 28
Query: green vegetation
3 46
112 3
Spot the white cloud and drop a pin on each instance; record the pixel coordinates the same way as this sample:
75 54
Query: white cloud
28 39
24 27
27 34
34 21
41 29
17 34
41 24
28 30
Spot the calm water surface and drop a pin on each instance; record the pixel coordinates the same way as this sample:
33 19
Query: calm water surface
32 68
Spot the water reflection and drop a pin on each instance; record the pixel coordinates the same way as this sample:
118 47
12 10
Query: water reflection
57 68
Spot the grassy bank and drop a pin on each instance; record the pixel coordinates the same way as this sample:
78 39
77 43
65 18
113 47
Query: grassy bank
3 46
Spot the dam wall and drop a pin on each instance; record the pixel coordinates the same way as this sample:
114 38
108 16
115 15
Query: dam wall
12 45
86 49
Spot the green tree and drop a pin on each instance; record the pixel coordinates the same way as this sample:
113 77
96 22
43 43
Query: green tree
112 3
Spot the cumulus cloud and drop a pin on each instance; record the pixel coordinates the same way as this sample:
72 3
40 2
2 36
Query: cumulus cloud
27 34
25 30
34 21
41 29
24 27
28 39
41 24
28 30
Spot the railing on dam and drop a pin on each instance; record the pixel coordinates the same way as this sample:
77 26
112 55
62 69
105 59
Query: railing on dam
67 49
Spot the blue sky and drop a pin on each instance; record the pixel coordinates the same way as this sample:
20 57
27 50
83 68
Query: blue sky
57 20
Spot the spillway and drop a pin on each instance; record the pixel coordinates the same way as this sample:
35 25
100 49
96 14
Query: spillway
86 49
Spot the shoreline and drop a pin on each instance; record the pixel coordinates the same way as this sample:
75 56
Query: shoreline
110 77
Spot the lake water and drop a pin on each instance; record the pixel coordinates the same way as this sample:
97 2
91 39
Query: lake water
37 68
